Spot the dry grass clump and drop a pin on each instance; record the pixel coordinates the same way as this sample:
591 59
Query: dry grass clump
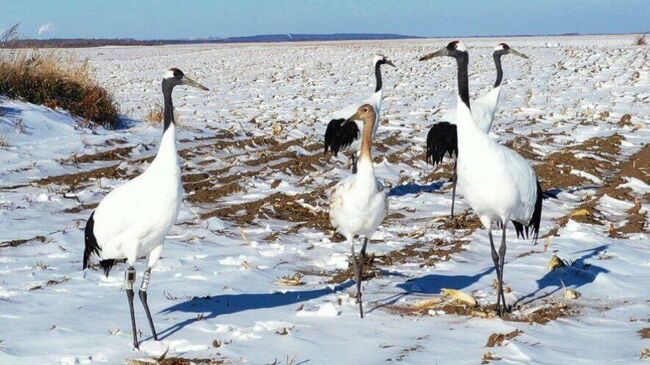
47 79
156 115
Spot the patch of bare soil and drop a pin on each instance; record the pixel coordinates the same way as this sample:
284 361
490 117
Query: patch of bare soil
276 206
80 208
636 220
645 333
370 270
638 166
555 170
464 220
50 283
176 361
16 243
426 253
75 180
522 146
498 339
201 193
119 153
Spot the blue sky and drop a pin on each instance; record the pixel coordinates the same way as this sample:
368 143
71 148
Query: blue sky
168 19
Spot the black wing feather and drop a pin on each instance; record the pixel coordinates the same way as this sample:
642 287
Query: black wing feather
442 139
339 136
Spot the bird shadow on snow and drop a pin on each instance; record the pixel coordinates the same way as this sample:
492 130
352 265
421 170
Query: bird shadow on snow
407 189
212 306
579 273
433 284
575 275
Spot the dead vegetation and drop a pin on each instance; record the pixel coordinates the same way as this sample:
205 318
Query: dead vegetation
498 339
540 314
56 81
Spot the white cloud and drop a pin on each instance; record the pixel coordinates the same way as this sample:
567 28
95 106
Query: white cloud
48 27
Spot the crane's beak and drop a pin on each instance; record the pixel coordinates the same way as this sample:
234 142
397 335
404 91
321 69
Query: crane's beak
438 53
516 53
389 62
189 82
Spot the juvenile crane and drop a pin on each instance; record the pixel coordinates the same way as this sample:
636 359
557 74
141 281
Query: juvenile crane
498 183
442 138
133 220
359 202
339 134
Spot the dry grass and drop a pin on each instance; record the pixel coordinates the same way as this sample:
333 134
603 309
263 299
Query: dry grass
156 114
48 79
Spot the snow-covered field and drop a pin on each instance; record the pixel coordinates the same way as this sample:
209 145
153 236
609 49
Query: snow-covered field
256 211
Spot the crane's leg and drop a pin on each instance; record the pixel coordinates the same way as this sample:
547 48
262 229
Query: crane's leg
143 298
453 188
354 162
502 260
497 268
358 272
153 258
130 279
363 250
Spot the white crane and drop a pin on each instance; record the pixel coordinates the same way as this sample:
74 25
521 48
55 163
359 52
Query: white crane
133 220
359 202
442 139
339 134
498 183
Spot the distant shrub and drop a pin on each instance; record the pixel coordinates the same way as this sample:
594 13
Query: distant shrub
641 41
43 78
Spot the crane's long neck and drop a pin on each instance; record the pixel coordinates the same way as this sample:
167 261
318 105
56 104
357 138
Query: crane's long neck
470 136
167 155
365 156
168 109
497 62
378 76
462 61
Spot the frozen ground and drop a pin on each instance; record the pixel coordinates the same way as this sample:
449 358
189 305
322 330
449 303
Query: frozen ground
255 211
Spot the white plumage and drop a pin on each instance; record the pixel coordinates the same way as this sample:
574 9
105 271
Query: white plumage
359 202
133 220
496 182
442 138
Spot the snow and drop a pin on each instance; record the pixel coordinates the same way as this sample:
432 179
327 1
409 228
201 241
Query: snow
218 278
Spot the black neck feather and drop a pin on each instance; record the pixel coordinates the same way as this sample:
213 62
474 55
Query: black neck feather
378 75
497 62
168 109
462 59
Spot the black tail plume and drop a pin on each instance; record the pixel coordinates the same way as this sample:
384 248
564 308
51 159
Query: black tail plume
536 218
91 242
338 136
93 248
441 139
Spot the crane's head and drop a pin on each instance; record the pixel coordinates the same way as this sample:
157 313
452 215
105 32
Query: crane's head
504 49
366 113
380 59
174 77
453 49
